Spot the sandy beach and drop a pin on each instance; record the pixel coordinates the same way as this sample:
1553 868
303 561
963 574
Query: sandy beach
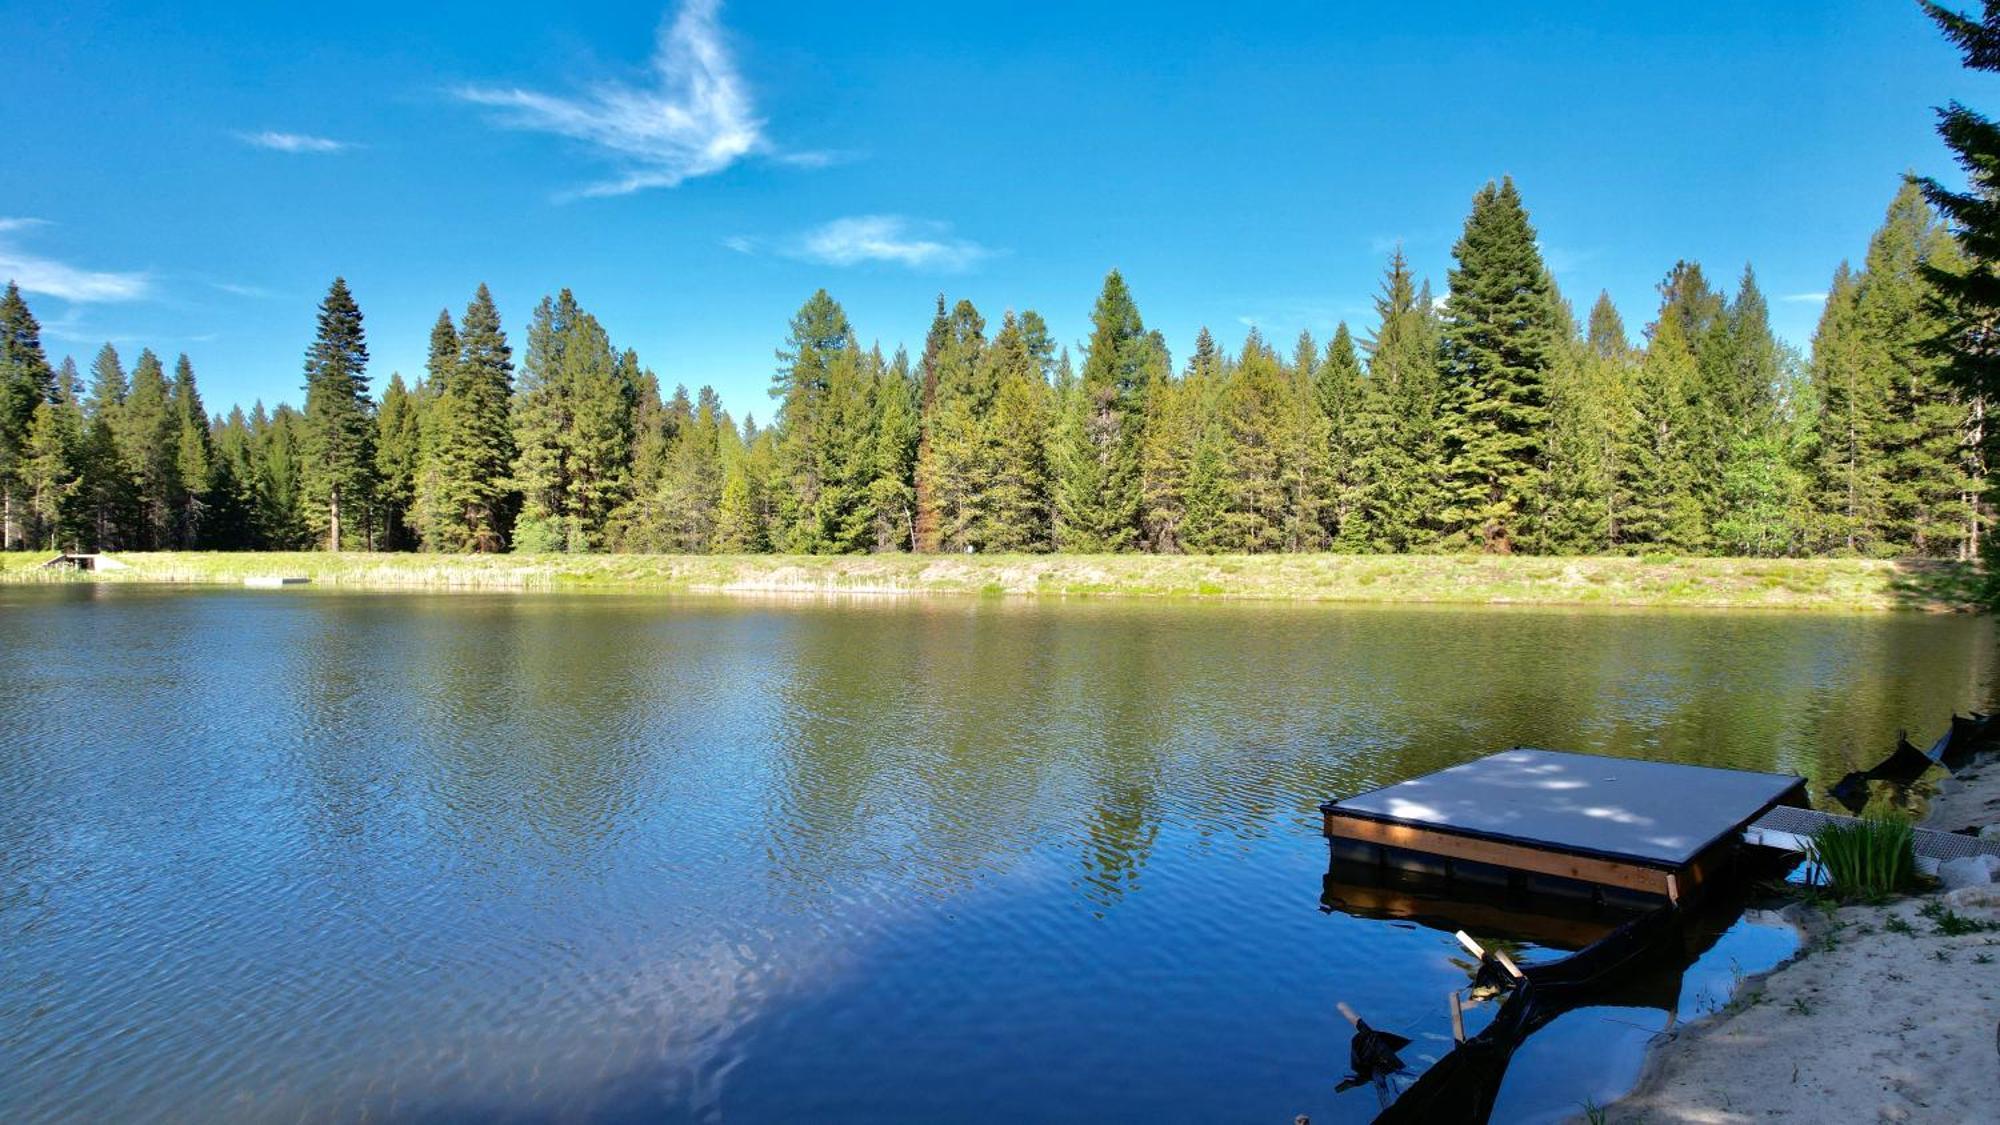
1888 1013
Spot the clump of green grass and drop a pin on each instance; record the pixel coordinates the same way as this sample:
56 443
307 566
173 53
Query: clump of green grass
1867 859
1951 923
1896 925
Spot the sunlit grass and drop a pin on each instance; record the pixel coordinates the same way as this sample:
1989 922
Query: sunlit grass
1818 584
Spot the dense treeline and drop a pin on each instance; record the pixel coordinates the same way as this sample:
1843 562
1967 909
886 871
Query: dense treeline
1488 419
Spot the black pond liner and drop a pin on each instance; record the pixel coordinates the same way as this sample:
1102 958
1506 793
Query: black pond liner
1967 735
1462 1086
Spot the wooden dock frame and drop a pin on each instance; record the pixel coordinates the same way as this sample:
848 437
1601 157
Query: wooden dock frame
1407 841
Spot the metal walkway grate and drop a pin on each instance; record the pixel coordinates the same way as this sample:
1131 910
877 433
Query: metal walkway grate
1789 828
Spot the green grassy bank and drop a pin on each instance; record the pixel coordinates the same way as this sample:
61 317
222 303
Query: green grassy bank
1825 584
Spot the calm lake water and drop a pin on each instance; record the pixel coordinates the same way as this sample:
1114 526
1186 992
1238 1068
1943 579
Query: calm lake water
276 855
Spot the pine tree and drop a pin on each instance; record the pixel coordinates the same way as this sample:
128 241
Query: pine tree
26 382
1500 342
1400 456
1895 309
149 438
1654 490
1015 509
690 489
1338 386
953 458
1176 410
743 512
398 443
818 334
232 518
891 488
596 449
52 474
541 415
1096 452
338 440
472 449
194 456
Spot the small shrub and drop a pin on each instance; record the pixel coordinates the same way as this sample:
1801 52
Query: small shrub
1870 858
1656 558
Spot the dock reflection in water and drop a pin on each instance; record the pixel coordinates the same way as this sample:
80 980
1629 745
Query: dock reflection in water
1571 1044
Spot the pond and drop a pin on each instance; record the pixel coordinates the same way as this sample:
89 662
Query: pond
272 855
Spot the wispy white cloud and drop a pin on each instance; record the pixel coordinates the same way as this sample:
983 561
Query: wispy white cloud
256 292
52 278
294 142
1291 314
915 243
742 244
694 118
1804 298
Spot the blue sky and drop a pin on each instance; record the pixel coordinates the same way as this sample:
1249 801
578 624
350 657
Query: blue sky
190 177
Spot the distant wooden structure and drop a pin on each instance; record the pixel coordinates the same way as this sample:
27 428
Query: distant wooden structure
1563 822
75 560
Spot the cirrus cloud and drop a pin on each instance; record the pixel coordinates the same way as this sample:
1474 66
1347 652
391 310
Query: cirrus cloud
304 143
694 119
915 243
51 278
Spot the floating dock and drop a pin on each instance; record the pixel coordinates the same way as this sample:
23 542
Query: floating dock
274 581
1561 821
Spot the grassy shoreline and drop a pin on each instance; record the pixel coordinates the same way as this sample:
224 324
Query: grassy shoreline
1795 584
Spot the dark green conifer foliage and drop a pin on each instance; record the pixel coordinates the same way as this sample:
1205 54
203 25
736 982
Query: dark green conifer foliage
194 457
1969 291
954 461
338 439
542 414
1926 498
26 382
1500 342
1015 509
891 490
596 450
398 444
1401 458
472 439
819 333
1655 488
1338 386
232 519
1095 455
149 438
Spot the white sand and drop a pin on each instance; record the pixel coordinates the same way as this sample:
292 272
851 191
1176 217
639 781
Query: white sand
1866 1024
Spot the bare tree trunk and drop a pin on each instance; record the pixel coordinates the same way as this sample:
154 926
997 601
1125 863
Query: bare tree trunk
333 521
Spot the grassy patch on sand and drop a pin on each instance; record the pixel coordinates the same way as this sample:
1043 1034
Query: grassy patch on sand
1826 584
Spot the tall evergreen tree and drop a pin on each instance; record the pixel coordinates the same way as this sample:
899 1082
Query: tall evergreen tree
1500 342
1400 454
1338 386
819 333
149 438
953 457
474 444
398 444
1095 456
1015 509
891 488
338 440
194 457
26 382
